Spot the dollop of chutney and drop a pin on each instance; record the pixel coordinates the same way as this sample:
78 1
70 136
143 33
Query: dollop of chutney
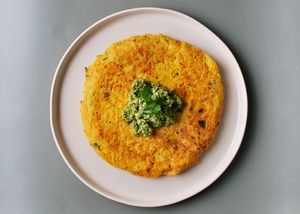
150 107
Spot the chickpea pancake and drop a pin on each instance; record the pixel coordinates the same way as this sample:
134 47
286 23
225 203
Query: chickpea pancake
175 65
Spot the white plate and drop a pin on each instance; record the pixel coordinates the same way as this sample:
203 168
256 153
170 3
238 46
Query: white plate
66 93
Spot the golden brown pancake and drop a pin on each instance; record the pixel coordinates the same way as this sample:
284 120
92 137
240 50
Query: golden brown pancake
176 65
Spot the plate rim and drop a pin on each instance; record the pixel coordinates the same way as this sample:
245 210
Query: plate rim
243 118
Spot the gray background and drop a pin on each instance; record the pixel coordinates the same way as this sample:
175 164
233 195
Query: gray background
264 36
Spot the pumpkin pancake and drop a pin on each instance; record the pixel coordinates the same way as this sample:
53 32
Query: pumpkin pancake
188 71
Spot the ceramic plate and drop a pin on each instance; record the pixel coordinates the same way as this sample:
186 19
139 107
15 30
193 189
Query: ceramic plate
66 93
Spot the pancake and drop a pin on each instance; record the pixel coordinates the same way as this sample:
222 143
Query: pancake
191 73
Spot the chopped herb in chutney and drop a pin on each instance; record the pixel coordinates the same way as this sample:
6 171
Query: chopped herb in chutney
150 107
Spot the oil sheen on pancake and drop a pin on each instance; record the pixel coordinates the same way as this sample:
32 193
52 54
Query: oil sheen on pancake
191 73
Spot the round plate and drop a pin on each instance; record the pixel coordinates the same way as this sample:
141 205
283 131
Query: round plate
67 129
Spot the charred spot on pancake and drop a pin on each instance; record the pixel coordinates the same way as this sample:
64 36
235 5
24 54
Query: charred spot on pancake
202 123
96 145
201 110
106 94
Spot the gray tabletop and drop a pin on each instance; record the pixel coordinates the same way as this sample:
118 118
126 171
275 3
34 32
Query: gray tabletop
264 36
